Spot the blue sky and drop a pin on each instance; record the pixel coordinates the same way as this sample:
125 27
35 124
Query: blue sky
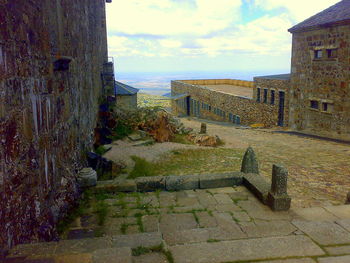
205 35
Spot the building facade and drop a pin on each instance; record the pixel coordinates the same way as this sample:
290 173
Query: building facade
320 73
126 96
51 60
225 100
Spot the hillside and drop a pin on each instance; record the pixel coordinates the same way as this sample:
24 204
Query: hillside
148 100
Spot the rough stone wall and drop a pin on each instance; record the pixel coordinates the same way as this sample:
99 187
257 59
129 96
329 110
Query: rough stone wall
325 80
248 110
127 101
46 116
277 85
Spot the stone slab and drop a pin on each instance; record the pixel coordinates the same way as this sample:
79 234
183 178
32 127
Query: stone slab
186 236
324 232
257 185
268 229
137 240
338 250
341 211
206 220
246 249
342 259
87 245
293 260
177 222
151 183
120 255
150 258
223 199
345 223
220 180
115 186
184 182
150 223
206 199
313 214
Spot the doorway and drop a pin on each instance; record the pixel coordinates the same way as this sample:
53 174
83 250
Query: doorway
281 108
188 105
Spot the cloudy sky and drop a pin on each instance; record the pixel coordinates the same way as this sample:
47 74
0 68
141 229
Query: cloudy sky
213 35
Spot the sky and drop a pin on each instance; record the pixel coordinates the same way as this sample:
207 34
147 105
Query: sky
205 35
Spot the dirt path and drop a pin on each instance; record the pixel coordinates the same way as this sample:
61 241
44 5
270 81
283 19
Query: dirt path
319 170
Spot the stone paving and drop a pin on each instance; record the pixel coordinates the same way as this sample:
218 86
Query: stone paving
198 226
319 171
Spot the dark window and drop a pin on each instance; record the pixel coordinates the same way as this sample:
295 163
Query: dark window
318 54
332 53
325 106
265 95
258 94
209 108
272 97
314 104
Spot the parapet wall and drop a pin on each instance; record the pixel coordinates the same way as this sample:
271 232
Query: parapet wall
235 82
220 106
47 112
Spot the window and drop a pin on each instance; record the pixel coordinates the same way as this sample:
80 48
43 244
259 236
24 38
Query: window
332 53
314 104
265 95
258 94
272 99
327 107
318 54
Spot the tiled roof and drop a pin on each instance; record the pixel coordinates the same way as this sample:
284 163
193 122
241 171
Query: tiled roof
123 89
337 13
280 76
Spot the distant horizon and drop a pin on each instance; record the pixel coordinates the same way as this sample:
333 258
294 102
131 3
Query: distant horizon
158 82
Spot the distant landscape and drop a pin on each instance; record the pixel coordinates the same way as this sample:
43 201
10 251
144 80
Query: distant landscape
158 83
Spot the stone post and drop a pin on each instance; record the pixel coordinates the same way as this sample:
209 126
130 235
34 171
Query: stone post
250 163
277 198
203 128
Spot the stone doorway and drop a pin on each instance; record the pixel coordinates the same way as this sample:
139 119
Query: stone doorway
281 108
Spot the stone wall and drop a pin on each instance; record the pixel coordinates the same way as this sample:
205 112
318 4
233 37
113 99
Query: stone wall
276 86
207 103
127 101
47 112
320 87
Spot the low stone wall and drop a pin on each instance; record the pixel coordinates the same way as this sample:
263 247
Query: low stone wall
215 105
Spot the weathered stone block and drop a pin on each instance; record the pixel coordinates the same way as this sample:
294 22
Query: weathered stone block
250 163
220 180
115 186
203 128
87 177
151 183
257 185
278 202
184 182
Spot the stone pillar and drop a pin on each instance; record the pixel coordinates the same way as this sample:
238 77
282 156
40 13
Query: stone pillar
203 128
250 163
277 198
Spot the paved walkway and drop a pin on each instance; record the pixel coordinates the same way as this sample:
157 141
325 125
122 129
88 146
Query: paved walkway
198 226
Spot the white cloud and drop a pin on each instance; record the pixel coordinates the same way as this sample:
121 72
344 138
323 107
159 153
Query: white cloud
298 10
166 17
195 28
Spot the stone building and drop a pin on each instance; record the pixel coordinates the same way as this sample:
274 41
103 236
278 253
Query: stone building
320 73
274 90
226 100
126 95
51 60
